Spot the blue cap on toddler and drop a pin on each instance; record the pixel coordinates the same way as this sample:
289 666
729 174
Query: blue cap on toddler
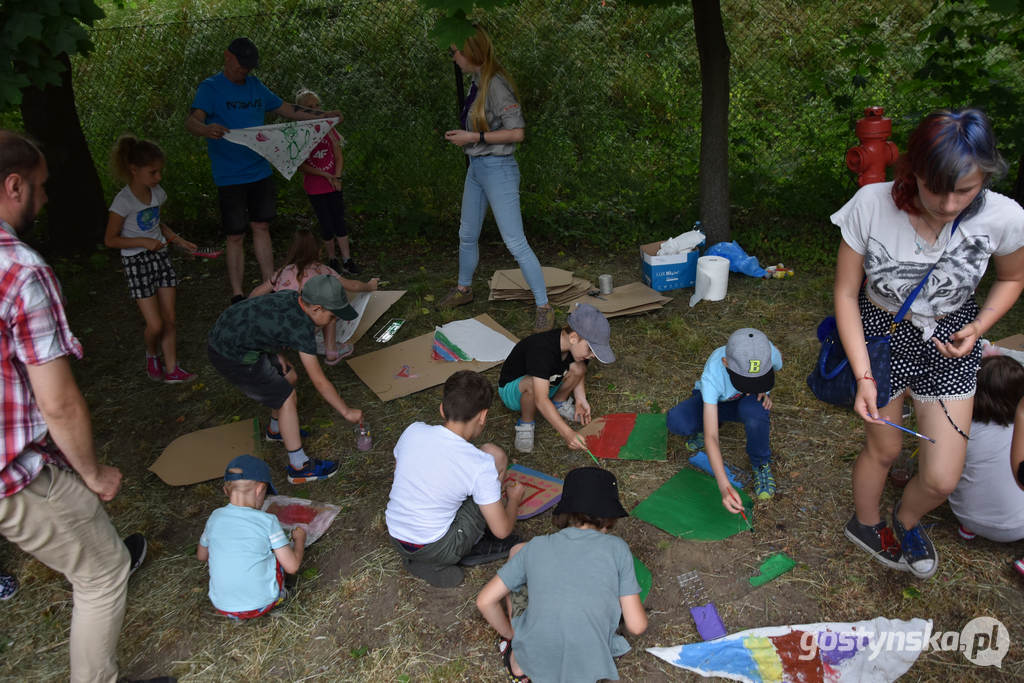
250 468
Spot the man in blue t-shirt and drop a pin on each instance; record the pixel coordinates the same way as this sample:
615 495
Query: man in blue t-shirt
230 99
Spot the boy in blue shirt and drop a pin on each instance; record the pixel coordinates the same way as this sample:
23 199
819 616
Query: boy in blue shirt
734 387
246 547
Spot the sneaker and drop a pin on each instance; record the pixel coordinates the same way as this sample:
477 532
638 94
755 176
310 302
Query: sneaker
448 576
351 267
966 534
567 409
343 351
179 376
335 266
8 586
489 549
545 319
154 368
919 553
695 442
877 540
764 482
277 438
524 437
455 297
1018 565
314 470
237 299
137 546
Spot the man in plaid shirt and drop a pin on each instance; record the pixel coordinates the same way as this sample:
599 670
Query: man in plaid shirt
51 484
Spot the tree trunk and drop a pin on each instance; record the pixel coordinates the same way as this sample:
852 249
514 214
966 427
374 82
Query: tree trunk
714 119
76 213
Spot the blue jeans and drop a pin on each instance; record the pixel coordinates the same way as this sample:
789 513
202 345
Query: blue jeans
687 418
494 181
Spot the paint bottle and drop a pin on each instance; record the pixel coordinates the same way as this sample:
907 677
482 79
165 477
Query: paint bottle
364 441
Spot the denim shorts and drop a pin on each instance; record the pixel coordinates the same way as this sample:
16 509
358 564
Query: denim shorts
262 381
247 203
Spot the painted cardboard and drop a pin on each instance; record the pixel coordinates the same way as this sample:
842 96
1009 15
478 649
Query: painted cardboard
380 302
407 367
203 455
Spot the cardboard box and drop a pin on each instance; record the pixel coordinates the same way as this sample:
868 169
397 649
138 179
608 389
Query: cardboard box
662 273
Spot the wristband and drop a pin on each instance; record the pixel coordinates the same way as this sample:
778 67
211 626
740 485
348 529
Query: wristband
482 141
867 376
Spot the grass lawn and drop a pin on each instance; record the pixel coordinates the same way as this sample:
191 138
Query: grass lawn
355 615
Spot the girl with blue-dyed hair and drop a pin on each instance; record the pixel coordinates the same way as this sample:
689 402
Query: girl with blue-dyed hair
938 211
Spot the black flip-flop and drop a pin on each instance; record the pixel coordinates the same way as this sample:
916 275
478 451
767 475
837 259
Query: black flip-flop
505 648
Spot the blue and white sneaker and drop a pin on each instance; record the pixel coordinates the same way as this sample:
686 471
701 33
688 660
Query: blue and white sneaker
314 470
8 586
919 554
277 438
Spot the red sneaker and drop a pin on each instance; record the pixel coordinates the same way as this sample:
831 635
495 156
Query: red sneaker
179 376
154 368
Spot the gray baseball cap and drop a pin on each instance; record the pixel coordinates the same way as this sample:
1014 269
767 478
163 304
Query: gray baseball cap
748 360
326 291
590 323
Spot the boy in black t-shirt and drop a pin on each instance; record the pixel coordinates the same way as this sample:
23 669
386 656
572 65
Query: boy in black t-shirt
545 373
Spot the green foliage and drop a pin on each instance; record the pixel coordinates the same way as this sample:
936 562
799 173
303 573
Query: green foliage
34 34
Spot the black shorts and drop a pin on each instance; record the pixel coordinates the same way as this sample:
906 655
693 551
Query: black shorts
262 381
915 362
247 203
147 272
330 211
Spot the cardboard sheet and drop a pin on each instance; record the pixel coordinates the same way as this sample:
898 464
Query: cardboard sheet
407 367
204 454
628 436
542 491
628 299
376 305
513 279
689 506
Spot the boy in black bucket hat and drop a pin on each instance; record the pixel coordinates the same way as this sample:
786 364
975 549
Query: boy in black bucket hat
581 580
734 387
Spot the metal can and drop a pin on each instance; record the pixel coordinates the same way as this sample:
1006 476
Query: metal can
604 284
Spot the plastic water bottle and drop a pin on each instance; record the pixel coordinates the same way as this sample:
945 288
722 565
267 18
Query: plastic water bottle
364 441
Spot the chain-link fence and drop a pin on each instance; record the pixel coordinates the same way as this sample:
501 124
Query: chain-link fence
611 94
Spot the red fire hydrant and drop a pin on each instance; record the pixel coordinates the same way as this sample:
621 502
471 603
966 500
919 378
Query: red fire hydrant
875 151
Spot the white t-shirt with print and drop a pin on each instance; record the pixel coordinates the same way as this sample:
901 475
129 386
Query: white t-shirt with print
140 219
874 227
435 471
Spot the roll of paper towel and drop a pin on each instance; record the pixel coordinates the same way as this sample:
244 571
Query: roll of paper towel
712 279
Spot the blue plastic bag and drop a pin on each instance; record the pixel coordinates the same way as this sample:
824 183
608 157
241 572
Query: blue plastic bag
739 261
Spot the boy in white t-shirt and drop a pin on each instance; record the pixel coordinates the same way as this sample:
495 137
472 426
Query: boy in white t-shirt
445 504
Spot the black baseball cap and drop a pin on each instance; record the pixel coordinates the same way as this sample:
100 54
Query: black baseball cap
245 51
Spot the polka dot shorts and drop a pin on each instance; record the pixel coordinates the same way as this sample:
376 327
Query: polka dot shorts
916 363
147 271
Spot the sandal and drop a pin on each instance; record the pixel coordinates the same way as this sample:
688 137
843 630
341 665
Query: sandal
505 648
344 351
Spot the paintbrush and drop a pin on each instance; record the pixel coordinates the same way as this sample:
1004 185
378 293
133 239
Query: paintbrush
743 512
908 431
584 444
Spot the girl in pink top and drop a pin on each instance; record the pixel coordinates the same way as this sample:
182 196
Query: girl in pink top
322 182
302 263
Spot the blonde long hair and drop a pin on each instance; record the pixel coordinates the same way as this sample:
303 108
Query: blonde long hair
479 50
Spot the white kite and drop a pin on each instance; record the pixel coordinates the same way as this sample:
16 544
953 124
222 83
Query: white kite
285 145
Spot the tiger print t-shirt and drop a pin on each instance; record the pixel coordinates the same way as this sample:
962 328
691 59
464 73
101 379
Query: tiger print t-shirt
895 259
266 324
